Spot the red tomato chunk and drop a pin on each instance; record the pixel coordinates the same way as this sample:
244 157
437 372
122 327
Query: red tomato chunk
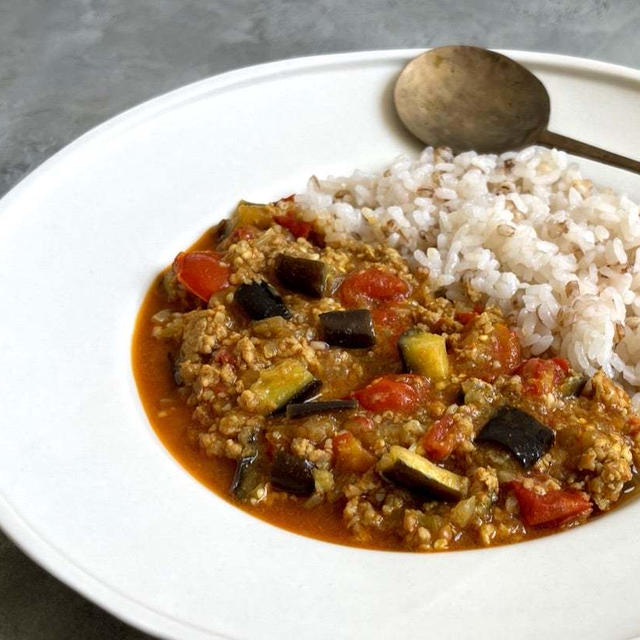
371 287
201 272
507 348
440 439
541 376
390 323
402 392
552 509
298 228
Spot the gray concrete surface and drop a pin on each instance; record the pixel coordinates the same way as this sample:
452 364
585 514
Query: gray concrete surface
67 65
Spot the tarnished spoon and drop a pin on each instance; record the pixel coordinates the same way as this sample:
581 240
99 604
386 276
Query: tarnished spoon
471 98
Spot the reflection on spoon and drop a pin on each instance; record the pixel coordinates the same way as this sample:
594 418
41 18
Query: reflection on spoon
471 98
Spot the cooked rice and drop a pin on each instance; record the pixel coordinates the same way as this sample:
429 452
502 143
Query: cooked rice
557 254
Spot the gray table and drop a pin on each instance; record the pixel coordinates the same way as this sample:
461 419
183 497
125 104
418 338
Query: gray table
67 65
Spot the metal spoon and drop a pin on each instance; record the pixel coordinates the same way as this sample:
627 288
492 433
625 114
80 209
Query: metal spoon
471 98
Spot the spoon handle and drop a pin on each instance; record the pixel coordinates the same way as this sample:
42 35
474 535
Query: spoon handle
550 139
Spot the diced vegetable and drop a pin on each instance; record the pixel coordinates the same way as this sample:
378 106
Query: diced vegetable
440 440
292 474
497 353
506 348
463 512
302 275
424 353
390 321
220 231
573 385
401 393
526 438
201 272
408 469
299 228
252 214
553 509
260 300
251 472
371 286
351 456
540 376
348 329
305 409
465 317
287 381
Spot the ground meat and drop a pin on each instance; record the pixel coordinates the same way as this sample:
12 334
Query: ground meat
217 355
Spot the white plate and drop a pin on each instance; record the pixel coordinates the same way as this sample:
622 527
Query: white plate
87 489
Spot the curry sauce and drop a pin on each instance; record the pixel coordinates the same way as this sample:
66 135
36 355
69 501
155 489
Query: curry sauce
327 390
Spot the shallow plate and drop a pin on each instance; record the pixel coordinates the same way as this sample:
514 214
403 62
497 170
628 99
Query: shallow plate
87 489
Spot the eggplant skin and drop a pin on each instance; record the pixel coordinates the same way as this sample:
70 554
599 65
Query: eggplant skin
348 329
285 382
524 436
292 474
251 471
305 393
304 409
302 275
259 300
418 474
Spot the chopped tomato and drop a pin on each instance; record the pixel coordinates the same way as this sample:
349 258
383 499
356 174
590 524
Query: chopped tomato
299 228
507 348
540 376
370 287
201 272
562 363
351 456
493 354
389 323
555 508
441 438
400 392
465 317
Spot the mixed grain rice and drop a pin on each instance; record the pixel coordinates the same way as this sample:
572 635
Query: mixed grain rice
559 255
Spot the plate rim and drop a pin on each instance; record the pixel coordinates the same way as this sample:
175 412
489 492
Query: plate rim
17 529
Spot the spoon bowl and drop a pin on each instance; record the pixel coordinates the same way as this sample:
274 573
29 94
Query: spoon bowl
471 98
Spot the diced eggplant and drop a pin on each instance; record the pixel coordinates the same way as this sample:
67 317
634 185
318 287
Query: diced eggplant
306 393
302 275
252 214
221 230
292 474
260 300
526 438
410 470
252 470
573 385
304 409
348 329
288 381
424 353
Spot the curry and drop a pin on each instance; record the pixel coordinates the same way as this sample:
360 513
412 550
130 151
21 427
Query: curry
326 389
